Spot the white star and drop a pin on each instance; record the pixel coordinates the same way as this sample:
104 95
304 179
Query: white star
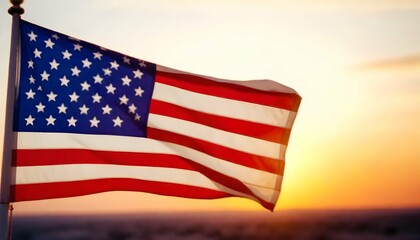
137 117
84 109
30 120
39 88
106 110
40 107
45 76
51 96
123 100
97 55
32 80
86 63
142 64
64 81
117 122
139 91
55 36
85 86
32 36
37 53
50 120
30 94
96 98
75 71
62 109
94 122
77 47
126 80
107 72
114 65
49 43
72 121
54 64
126 60
110 88
73 97
132 108
138 74
30 64
98 79
66 55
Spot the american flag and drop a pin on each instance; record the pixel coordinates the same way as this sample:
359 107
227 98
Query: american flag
89 120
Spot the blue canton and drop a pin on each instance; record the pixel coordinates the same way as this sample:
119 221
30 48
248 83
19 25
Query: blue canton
68 85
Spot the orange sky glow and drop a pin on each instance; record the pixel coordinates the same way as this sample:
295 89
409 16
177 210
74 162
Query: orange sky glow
356 139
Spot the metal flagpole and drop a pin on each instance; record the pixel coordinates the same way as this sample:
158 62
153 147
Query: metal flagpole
9 137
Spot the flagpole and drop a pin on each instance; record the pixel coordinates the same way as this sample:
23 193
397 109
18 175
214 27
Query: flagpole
9 138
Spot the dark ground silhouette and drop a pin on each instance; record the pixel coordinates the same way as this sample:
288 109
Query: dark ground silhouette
284 225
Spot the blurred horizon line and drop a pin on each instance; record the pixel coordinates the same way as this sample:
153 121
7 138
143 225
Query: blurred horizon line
217 212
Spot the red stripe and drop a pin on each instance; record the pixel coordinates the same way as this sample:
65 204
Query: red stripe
40 157
251 129
289 101
231 155
28 192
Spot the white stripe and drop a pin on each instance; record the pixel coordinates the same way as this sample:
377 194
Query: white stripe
291 121
29 140
81 172
263 84
221 106
231 140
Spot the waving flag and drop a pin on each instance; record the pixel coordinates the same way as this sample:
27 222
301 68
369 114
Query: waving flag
90 120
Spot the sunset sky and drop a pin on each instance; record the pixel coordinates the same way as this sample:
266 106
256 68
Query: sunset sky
356 64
